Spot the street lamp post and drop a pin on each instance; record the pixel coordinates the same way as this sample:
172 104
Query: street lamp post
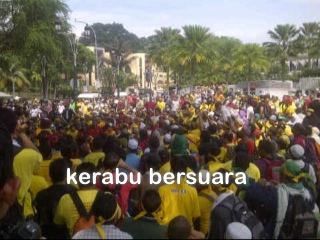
44 80
73 44
118 58
87 31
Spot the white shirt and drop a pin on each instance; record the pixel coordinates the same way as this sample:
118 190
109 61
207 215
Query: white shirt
34 112
175 105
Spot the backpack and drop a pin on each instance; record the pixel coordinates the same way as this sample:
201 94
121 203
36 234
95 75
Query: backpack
309 152
86 219
271 174
300 222
241 213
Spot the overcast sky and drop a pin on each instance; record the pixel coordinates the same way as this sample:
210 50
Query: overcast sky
247 20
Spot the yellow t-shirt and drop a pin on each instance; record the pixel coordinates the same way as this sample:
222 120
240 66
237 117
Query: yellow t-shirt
38 183
67 212
167 168
75 163
179 199
73 134
56 155
94 157
161 105
253 171
288 131
221 157
205 209
44 171
25 164
214 166
291 109
194 140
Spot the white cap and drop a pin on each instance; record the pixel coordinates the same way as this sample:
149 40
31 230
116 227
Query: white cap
273 118
236 230
147 150
297 151
133 144
167 138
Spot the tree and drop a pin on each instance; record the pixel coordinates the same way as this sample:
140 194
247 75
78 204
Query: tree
284 44
251 60
227 48
195 48
310 33
11 73
29 34
160 49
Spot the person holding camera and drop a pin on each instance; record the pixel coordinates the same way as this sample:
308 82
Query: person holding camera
12 223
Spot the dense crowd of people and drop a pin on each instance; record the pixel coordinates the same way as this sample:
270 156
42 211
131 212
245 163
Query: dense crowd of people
275 142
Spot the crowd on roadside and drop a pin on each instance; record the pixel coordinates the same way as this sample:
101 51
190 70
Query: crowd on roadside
275 142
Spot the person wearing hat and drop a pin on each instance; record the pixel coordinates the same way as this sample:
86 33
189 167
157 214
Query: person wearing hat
272 122
296 152
290 107
311 119
275 198
132 158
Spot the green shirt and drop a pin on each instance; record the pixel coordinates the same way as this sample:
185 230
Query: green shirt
144 228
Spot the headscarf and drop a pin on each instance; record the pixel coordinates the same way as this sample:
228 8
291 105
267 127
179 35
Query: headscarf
158 214
100 220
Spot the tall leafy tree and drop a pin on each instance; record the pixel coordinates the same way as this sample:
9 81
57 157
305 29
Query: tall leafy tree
29 33
310 33
160 49
284 44
227 49
12 73
195 48
252 61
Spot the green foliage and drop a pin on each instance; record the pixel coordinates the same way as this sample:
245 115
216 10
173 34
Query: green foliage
251 60
311 72
107 34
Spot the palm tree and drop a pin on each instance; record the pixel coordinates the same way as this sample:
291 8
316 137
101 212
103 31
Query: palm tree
251 60
227 48
160 49
195 48
284 44
309 37
12 73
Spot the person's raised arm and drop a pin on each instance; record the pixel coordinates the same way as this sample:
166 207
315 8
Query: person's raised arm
20 131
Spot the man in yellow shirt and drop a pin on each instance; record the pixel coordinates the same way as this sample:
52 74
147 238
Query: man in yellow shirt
97 156
67 213
161 104
179 198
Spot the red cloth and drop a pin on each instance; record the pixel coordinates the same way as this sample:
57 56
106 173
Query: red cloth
150 105
95 131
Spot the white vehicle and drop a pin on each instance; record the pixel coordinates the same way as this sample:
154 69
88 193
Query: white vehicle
121 94
88 96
